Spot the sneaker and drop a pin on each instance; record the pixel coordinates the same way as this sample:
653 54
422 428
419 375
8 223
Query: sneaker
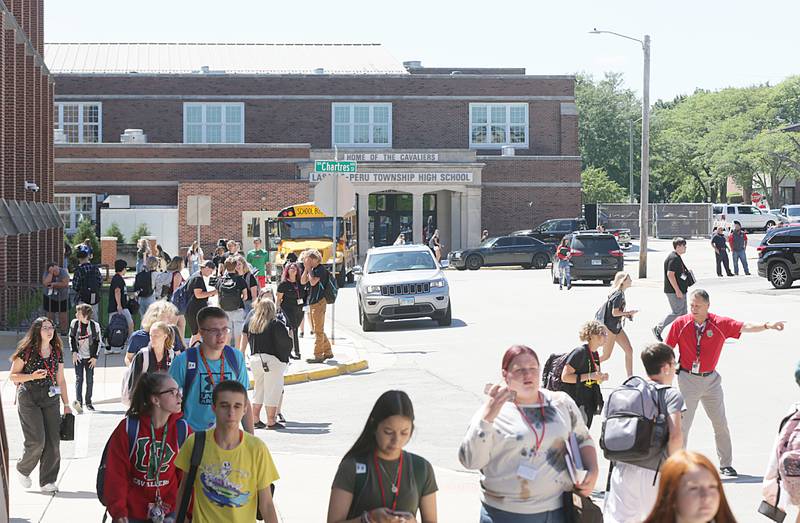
276 426
90 407
294 355
24 480
108 350
281 418
316 360
259 425
657 333
49 487
729 472
77 406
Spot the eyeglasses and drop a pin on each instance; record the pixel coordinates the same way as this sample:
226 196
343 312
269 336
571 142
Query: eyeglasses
521 371
217 332
48 327
176 391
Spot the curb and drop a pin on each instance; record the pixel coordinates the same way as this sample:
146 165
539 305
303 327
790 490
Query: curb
321 374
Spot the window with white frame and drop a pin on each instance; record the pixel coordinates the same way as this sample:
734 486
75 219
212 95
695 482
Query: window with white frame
75 208
82 122
213 123
362 124
495 125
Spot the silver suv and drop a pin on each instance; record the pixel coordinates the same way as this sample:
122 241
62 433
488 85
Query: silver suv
401 282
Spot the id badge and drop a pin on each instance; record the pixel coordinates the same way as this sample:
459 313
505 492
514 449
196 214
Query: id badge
683 276
696 367
526 471
156 512
299 302
54 391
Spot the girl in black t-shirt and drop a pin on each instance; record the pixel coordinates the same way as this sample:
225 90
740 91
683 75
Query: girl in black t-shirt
613 315
581 375
290 299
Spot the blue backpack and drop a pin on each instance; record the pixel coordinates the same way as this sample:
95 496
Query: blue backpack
180 298
192 355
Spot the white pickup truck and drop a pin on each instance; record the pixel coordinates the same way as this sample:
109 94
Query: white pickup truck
749 216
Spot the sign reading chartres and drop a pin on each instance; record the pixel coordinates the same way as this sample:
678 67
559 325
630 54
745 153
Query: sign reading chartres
333 166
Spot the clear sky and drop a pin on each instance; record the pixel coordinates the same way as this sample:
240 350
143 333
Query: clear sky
709 44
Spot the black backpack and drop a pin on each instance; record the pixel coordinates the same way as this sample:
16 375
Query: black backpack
89 291
330 291
230 295
117 331
551 374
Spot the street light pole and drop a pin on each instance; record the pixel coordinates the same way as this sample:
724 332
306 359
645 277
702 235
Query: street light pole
644 218
630 161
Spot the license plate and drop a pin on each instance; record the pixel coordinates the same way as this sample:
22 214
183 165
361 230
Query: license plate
407 301
597 262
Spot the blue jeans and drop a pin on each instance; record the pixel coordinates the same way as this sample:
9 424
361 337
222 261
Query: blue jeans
144 303
80 368
565 277
495 515
139 265
740 255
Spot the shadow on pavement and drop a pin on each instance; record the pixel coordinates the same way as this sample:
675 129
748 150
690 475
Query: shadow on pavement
81 494
744 478
297 427
417 325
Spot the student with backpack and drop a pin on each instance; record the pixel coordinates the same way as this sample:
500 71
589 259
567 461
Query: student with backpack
155 357
633 480
581 376
378 481
137 479
118 301
319 279
84 342
237 468
200 288
781 480
612 314
233 292
163 311
199 368
251 283
143 284
87 280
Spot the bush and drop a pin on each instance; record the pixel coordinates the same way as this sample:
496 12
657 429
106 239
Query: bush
113 230
140 231
84 232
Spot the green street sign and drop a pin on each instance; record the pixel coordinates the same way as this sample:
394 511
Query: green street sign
332 166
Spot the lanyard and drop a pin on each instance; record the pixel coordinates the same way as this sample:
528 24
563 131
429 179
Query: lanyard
165 359
50 371
396 486
208 369
593 366
157 455
699 334
539 439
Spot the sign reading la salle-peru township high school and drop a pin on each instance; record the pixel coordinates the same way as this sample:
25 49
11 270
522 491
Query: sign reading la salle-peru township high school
406 178
392 157
333 166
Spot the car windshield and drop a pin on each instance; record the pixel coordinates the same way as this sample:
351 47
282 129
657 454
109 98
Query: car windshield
793 211
488 242
400 261
598 243
308 228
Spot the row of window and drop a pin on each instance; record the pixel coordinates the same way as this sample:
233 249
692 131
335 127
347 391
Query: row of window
491 125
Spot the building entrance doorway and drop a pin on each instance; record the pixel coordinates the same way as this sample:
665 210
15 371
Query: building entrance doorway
390 214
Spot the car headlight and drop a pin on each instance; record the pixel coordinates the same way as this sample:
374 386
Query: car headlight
373 289
456 255
437 283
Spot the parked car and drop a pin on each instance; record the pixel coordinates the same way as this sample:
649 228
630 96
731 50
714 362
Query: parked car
551 231
623 236
749 216
595 256
777 214
401 282
504 250
791 213
779 256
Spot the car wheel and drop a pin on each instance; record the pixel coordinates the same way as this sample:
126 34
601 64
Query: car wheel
769 224
366 325
447 319
606 282
540 261
464 268
779 276
474 262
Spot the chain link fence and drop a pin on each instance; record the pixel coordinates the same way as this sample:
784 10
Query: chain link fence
667 220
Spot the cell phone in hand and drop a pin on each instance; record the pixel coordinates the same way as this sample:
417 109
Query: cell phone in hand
401 514
488 388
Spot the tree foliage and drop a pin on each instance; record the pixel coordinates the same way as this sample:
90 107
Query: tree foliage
140 231
597 187
114 230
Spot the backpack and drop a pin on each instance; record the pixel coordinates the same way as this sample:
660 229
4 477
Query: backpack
92 280
192 357
132 430
230 295
131 374
180 298
636 427
329 291
789 456
162 282
551 374
117 331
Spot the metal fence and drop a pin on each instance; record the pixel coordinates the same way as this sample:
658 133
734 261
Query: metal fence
667 220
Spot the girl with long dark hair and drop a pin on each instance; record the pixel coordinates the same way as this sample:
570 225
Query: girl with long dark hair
144 480
290 299
377 480
37 368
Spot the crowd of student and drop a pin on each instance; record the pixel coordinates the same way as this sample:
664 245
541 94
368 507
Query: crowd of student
530 439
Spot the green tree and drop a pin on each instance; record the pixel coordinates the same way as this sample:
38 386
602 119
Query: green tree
85 231
113 230
596 187
605 109
140 231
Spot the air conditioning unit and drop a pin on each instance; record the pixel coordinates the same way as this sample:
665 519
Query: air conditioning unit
133 136
507 150
59 136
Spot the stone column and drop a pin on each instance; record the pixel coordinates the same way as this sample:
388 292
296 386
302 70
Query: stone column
455 221
363 226
473 221
108 250
417 223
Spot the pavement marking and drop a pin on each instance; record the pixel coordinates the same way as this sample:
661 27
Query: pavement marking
83 423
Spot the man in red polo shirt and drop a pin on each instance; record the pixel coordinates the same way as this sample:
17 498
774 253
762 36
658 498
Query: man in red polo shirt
699 337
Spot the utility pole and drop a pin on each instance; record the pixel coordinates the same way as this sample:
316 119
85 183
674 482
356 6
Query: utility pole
644 198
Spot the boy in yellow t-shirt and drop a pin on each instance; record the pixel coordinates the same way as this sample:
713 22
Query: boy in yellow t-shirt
236 469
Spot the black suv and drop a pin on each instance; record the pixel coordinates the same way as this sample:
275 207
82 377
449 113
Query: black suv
552 231
779 256
595 256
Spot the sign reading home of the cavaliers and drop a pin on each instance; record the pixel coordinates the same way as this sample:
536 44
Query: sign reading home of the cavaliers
392 157
400 177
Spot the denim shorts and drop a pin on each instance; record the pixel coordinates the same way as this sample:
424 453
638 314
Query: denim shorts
495 515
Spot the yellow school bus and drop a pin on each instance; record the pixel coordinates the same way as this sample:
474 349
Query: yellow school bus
305 226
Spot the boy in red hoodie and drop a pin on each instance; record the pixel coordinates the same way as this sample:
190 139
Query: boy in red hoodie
141 480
